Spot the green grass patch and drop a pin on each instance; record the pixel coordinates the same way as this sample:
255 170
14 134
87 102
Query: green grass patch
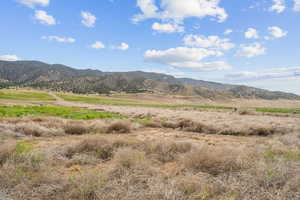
24 95
23 147
287 155
125 102
279 110
57 111
97 99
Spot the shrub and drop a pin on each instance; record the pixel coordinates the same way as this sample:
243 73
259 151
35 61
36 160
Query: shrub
6 151
246 112
119 127
37 130
86 185
76 127
99 148
129 158
216 160
167 151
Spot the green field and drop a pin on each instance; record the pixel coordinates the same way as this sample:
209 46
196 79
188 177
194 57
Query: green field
97 100
57 111
279 110
124 102
16 95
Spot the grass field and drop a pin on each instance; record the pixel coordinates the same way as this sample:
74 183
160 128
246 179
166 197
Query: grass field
147 151
125 102
279 110
22 95
57 111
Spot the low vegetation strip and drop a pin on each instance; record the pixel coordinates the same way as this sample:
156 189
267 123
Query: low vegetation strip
97 100
128 102
279 110
57 111
24 95
124 102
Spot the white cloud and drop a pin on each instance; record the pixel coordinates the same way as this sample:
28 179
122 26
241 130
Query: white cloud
176 74
186 58
213 42
178 10
228 31
251 50
88 19
9 57
285 72
44 18
251 33
297 5
167 28
123 46
98 45
278 6
203 66
59 39
33 3
277 32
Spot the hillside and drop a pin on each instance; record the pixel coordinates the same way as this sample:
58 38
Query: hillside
63 78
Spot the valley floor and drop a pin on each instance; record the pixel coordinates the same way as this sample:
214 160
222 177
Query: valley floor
146 153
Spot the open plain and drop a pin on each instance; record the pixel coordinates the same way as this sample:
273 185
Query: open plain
88 147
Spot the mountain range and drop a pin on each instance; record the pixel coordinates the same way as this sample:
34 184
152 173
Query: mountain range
63 78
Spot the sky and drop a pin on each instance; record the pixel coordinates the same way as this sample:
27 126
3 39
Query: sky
249 42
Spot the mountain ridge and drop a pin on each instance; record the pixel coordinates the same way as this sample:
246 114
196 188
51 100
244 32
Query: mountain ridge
64 78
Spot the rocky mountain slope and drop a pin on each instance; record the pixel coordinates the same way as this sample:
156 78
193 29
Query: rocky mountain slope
63 78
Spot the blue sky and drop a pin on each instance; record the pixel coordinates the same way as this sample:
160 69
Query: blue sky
252 42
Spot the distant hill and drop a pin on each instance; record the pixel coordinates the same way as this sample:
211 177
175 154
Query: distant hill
63 78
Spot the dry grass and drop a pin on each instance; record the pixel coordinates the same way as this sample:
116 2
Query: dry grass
119 127
216 160
132 172
129 158
199 127
6 150
159 164
50 126
165 151
100 148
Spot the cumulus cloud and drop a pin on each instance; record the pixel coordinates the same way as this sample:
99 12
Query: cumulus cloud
33 3
286 72
98 45
9 57
88 19
297 5
167 28
277 32
213 42
186 58
278 6
228 31
59 39
251 50
44 18
158 71
123 46
178 10
251 33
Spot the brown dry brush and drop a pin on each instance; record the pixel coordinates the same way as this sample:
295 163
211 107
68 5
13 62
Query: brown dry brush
268 171
50 126
199 127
